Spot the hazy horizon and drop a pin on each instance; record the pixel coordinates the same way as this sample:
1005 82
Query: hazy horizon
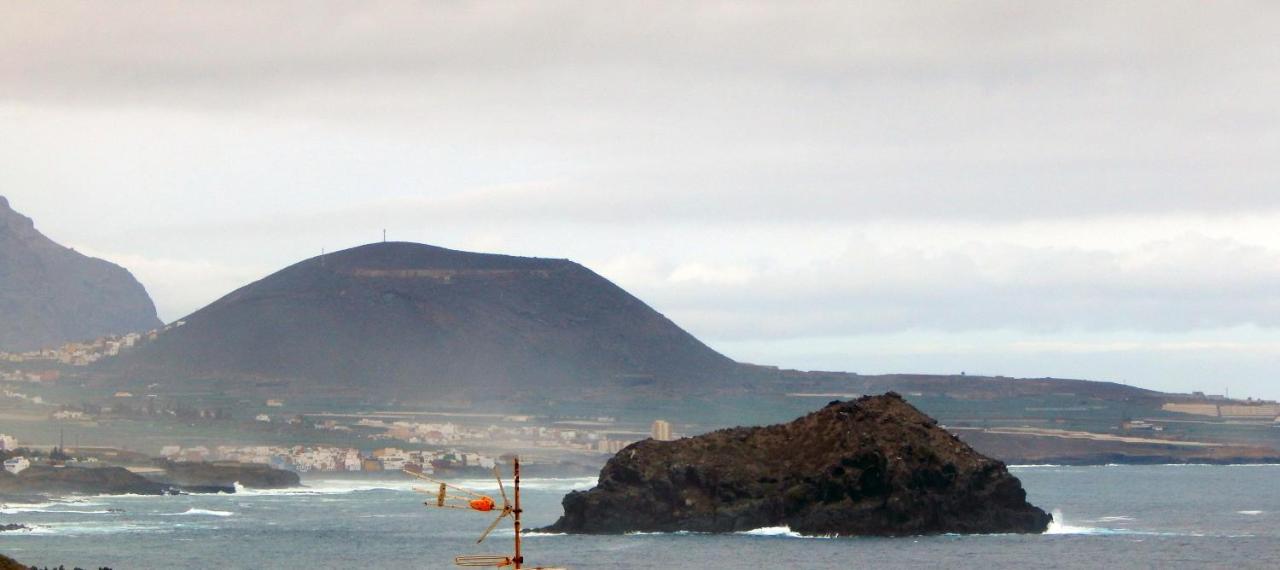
1069 190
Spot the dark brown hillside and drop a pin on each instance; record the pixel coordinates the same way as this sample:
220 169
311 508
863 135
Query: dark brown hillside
50 294
420 322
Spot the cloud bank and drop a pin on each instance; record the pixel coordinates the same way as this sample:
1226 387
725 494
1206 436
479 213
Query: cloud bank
822 184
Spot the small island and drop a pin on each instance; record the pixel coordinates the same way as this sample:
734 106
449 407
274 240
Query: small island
875 466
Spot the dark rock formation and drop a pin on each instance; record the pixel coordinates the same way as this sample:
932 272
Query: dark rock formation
179 478
13 526
874 466
195 476
414 321
50 294
79 480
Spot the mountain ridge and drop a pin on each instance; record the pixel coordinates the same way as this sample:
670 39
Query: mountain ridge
51 294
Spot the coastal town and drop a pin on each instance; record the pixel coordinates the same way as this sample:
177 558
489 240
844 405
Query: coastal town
450 447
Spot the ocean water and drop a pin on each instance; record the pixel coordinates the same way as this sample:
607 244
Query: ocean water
1108 517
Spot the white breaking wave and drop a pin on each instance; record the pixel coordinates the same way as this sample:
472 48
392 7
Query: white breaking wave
8 510
769 531
1250 513
330 487
204 512
58 508
84 528
676 533
1059 526
773 531
779 531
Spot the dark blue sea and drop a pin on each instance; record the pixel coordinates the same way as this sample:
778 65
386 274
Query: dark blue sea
1108 517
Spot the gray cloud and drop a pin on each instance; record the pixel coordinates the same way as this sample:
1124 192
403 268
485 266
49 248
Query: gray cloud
1170 286
957 110
766 173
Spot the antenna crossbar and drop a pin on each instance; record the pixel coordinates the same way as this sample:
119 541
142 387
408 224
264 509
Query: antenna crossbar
483 560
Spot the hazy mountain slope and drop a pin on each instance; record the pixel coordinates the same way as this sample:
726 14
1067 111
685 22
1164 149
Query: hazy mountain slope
50 294
420 322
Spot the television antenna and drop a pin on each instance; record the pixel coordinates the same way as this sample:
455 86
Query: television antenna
447 496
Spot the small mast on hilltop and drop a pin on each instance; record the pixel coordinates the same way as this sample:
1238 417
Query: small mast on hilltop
447 496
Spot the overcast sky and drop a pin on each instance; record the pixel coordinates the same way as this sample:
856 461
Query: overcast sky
1079 189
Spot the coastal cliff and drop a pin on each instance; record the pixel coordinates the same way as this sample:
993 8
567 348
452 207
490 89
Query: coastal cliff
875 466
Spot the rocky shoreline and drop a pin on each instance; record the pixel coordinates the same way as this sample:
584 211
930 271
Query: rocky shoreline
875 466
41 482
51 480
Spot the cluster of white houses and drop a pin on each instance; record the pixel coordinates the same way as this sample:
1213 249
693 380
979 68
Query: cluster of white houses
84 353
304 459
449 433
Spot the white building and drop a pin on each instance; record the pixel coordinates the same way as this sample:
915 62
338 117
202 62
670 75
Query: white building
17 465
661 430
8 442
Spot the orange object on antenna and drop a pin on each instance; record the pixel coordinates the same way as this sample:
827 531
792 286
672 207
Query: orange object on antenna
484 504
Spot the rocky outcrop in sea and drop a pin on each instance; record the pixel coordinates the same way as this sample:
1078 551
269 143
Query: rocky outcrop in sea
875 466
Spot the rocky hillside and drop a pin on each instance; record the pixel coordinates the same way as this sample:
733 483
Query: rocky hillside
874 466
419 322
50 294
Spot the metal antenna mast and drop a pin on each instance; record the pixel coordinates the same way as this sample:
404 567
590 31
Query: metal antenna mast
446 496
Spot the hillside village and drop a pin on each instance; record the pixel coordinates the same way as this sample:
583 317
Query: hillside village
79 354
